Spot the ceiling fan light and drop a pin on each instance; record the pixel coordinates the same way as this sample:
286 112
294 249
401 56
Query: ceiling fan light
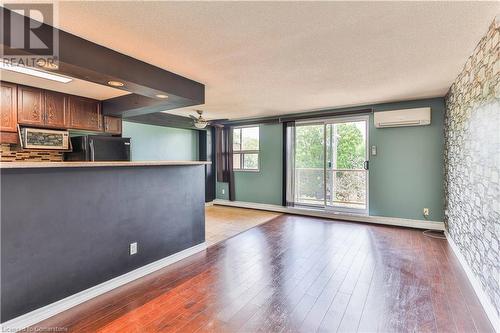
200 124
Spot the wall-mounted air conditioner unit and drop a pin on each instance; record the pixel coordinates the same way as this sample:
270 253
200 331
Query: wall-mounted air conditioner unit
405 117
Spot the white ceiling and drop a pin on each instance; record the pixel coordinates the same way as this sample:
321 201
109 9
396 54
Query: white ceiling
268 58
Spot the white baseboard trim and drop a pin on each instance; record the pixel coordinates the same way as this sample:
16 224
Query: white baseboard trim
488 307
208 204
433 225
38 315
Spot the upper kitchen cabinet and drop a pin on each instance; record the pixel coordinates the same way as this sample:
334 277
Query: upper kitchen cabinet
30 106
56 110
112 125
84 113
43 108
35 107
8 115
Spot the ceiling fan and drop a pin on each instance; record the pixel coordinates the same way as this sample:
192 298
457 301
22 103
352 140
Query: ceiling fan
199 122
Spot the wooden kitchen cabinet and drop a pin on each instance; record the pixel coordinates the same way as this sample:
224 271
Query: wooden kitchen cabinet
56 110
8 112
30 106
9 138
112 125
42 108
35 107
84 113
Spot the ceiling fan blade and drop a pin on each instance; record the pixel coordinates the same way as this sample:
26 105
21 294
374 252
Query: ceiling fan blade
193 117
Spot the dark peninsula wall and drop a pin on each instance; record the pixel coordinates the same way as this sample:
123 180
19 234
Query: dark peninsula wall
64 230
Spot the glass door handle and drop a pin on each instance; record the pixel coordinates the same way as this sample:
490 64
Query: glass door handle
92 151
329 164
366 165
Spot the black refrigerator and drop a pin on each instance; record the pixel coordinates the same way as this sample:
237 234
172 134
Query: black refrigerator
99 148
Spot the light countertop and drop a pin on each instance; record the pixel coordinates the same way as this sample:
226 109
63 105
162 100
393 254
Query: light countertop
27 165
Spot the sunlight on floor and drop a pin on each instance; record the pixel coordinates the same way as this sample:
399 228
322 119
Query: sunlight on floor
224 222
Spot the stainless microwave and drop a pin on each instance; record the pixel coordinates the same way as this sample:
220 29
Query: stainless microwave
37 138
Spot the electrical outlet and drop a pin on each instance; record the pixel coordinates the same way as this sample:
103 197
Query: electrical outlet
133 248
223 191
426 211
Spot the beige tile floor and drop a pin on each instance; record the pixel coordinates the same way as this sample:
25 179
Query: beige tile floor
222 222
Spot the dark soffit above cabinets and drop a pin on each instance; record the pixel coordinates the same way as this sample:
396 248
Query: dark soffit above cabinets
80 58
164 119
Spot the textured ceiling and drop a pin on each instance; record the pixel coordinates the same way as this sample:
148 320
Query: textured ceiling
267 58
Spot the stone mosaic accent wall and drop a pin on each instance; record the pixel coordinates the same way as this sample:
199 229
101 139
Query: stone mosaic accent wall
9 153
472 162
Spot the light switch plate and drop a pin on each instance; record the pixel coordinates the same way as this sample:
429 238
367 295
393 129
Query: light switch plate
133 248
374 150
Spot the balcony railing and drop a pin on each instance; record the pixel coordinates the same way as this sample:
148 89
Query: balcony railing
344 187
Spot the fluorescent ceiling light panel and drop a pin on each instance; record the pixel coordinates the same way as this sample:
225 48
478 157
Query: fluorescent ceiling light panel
34 72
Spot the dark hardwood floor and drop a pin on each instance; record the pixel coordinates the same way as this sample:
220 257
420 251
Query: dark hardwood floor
296 274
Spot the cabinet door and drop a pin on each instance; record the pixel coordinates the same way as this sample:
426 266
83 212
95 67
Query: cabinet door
84 113
9 137
8 111
56 113
30 105
112 125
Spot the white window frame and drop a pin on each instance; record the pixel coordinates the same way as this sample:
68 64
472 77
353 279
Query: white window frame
243 152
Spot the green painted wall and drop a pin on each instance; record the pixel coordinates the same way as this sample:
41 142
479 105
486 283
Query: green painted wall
151 142
405 176
265 185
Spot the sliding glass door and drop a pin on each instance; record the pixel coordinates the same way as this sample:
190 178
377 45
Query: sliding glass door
347 166
331 168
310 164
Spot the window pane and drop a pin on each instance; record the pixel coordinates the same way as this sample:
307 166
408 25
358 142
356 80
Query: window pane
349 189
250 138
236 161
309 146
309 186
237 139
309 164
251 161
349 145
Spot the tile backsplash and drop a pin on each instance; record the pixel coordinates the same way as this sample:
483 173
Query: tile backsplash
12 153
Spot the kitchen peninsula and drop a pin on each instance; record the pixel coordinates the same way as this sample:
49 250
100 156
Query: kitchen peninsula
78 217
71 226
